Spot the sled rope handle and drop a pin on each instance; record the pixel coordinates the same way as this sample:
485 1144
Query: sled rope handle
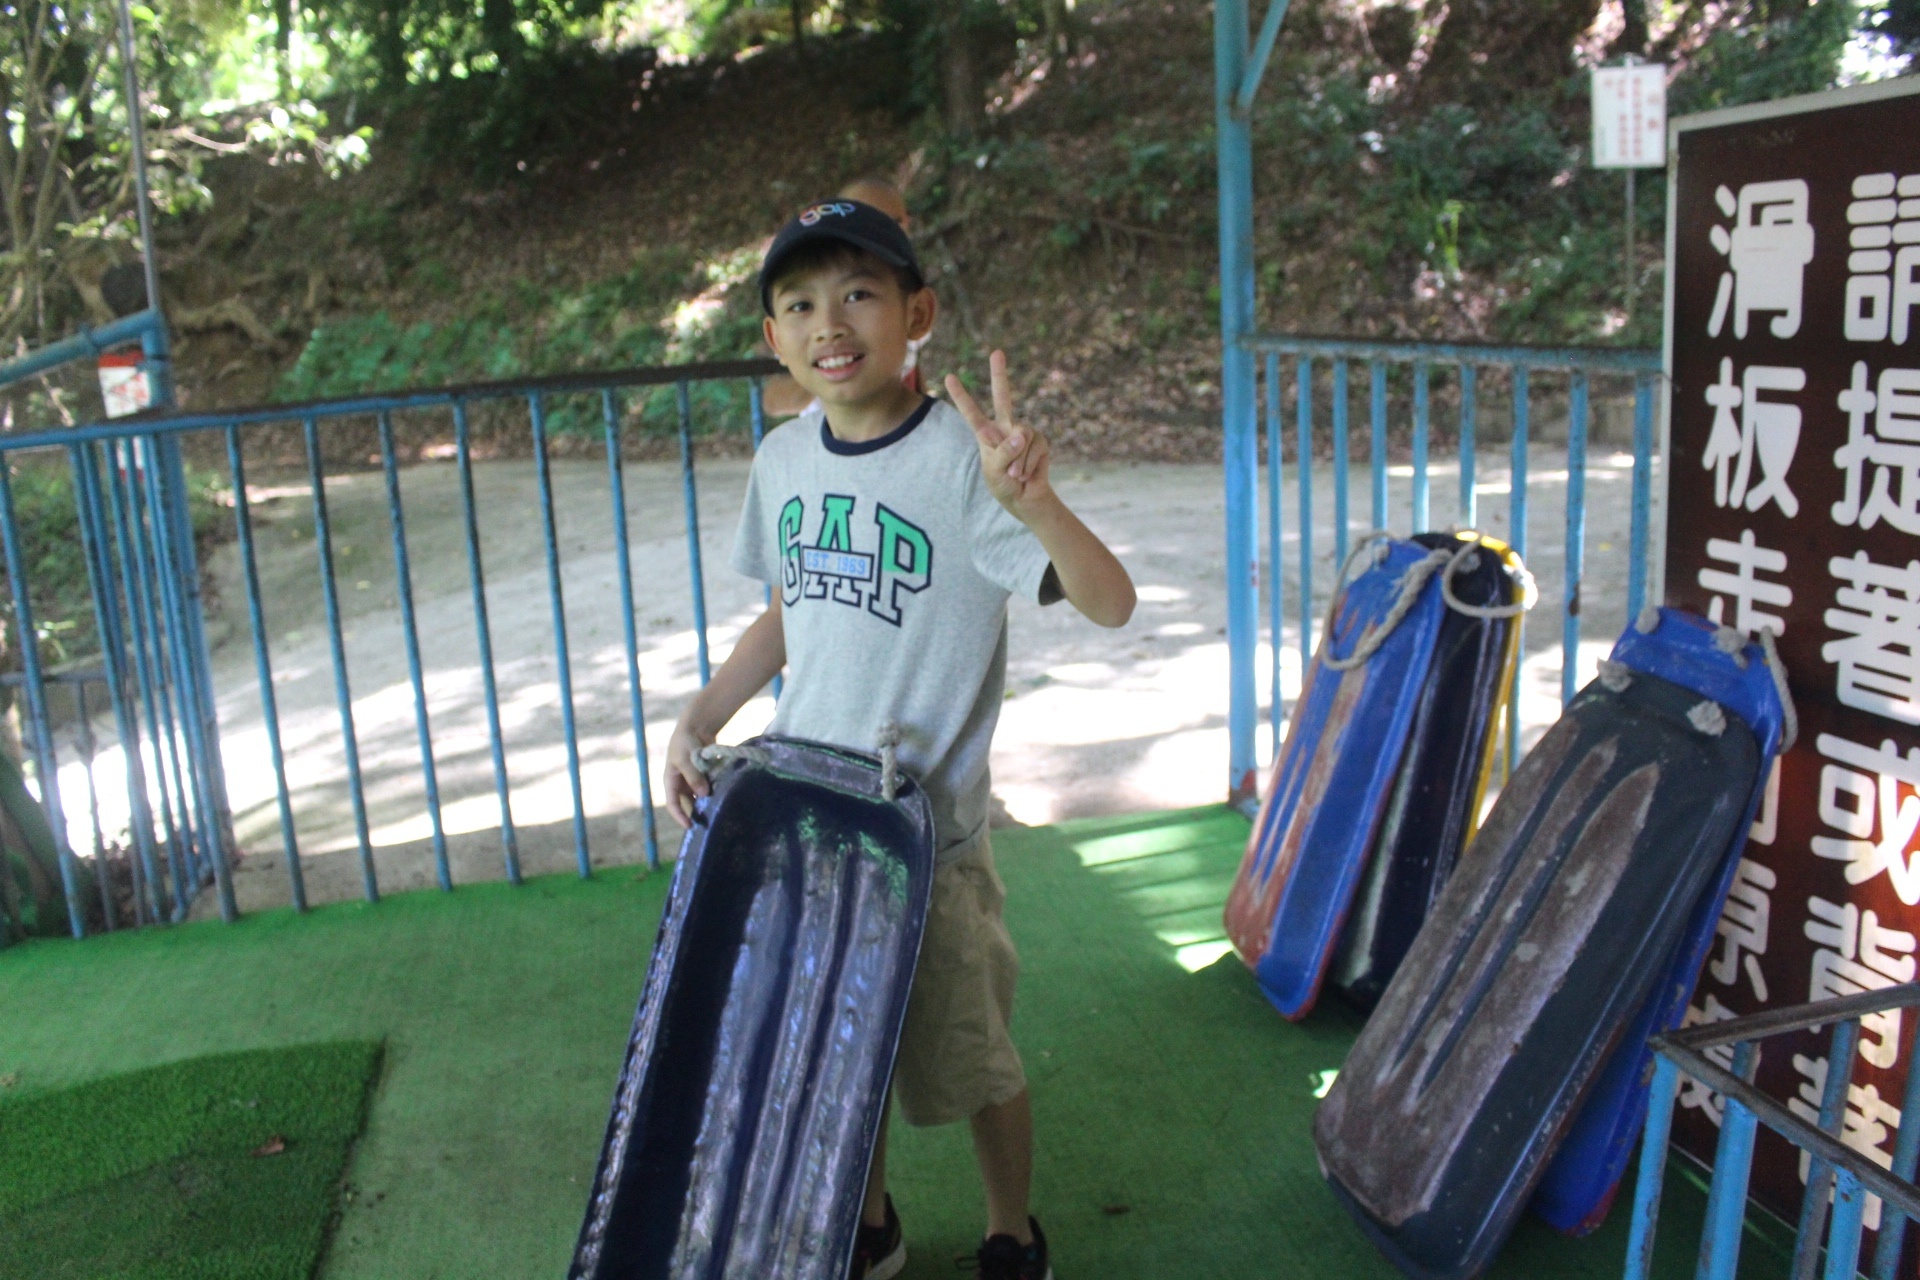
1789 715
1468 558
712 758
1733 644
889 759
1412 582
715 757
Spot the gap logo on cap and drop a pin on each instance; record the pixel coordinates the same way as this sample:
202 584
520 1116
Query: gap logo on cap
835 208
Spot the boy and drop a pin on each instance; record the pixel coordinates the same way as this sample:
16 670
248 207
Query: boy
781 395
894 528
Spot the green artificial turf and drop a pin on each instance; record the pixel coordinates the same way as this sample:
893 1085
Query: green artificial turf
1173 1106
224 1167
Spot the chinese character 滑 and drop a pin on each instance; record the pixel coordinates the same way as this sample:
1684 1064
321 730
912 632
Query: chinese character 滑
1879 660
1869 1121
1884 285
1890 449
1859 790
1747 589
1767 253
1743 927
1856 954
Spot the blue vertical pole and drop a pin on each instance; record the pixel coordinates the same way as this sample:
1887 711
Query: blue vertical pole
84 733
1576 534
199 662
98 539
146 642
1276 579
1233 139
330 592
1469 497
1833 1110
1517 539
692 498
1727 1196
1377 411
44 762
1843 1245
200 733
114 636
1642 494
1340 445
496 743
623 563
1653 1168
1906 1156
263 666
410 632
1303 464
1420 385
563 661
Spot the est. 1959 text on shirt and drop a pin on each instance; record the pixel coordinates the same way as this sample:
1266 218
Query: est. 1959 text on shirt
893 563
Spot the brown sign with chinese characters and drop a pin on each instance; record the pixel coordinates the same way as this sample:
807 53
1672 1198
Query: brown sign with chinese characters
1793 482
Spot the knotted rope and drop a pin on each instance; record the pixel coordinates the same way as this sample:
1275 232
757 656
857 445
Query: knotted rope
715 757
1412 582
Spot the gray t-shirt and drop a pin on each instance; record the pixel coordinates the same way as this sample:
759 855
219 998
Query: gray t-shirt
894 564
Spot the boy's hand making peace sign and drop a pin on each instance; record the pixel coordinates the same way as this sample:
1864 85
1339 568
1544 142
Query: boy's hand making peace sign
1014 460
1014 457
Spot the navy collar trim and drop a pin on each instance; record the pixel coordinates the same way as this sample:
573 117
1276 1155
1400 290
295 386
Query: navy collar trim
853 448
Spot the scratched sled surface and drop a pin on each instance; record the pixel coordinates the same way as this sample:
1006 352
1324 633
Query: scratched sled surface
1579 1186
1330 784
1436 798
756 1074
1563 918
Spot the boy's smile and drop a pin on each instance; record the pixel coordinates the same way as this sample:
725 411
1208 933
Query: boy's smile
842 331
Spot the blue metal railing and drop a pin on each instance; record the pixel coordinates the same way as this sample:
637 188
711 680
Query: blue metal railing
1578 365
130 494
1839 1178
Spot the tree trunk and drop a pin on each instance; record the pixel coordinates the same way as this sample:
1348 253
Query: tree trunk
390 49
1059 27
283 46
1633 35
498 20
797 10
962 93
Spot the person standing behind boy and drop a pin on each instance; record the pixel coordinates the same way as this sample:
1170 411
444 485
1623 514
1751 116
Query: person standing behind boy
782 396
894 528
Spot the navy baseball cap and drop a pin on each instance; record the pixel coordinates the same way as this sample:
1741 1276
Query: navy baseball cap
848 221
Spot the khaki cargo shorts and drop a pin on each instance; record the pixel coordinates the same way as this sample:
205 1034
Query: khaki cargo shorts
956 1051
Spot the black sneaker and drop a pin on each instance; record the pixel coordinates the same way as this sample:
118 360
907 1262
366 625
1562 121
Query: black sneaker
1004 1258
879 1253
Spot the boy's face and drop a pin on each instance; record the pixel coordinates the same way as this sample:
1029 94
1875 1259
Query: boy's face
842 329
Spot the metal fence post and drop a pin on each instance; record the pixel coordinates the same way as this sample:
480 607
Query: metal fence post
1276 577
1234 149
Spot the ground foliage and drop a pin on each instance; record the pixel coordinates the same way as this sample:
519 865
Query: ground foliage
226 1166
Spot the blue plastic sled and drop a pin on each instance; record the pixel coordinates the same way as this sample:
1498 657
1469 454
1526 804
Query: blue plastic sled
1579 1186
1349 729
1572 927
756 1076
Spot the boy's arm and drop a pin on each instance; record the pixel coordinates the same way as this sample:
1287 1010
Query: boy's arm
1014 459
756 659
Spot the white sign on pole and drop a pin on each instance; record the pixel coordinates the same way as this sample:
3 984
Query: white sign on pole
123 384
1630 117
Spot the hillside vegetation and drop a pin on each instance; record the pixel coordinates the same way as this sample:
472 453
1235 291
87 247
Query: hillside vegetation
1421 171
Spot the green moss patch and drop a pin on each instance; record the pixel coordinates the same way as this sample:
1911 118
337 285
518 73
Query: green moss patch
218 1167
